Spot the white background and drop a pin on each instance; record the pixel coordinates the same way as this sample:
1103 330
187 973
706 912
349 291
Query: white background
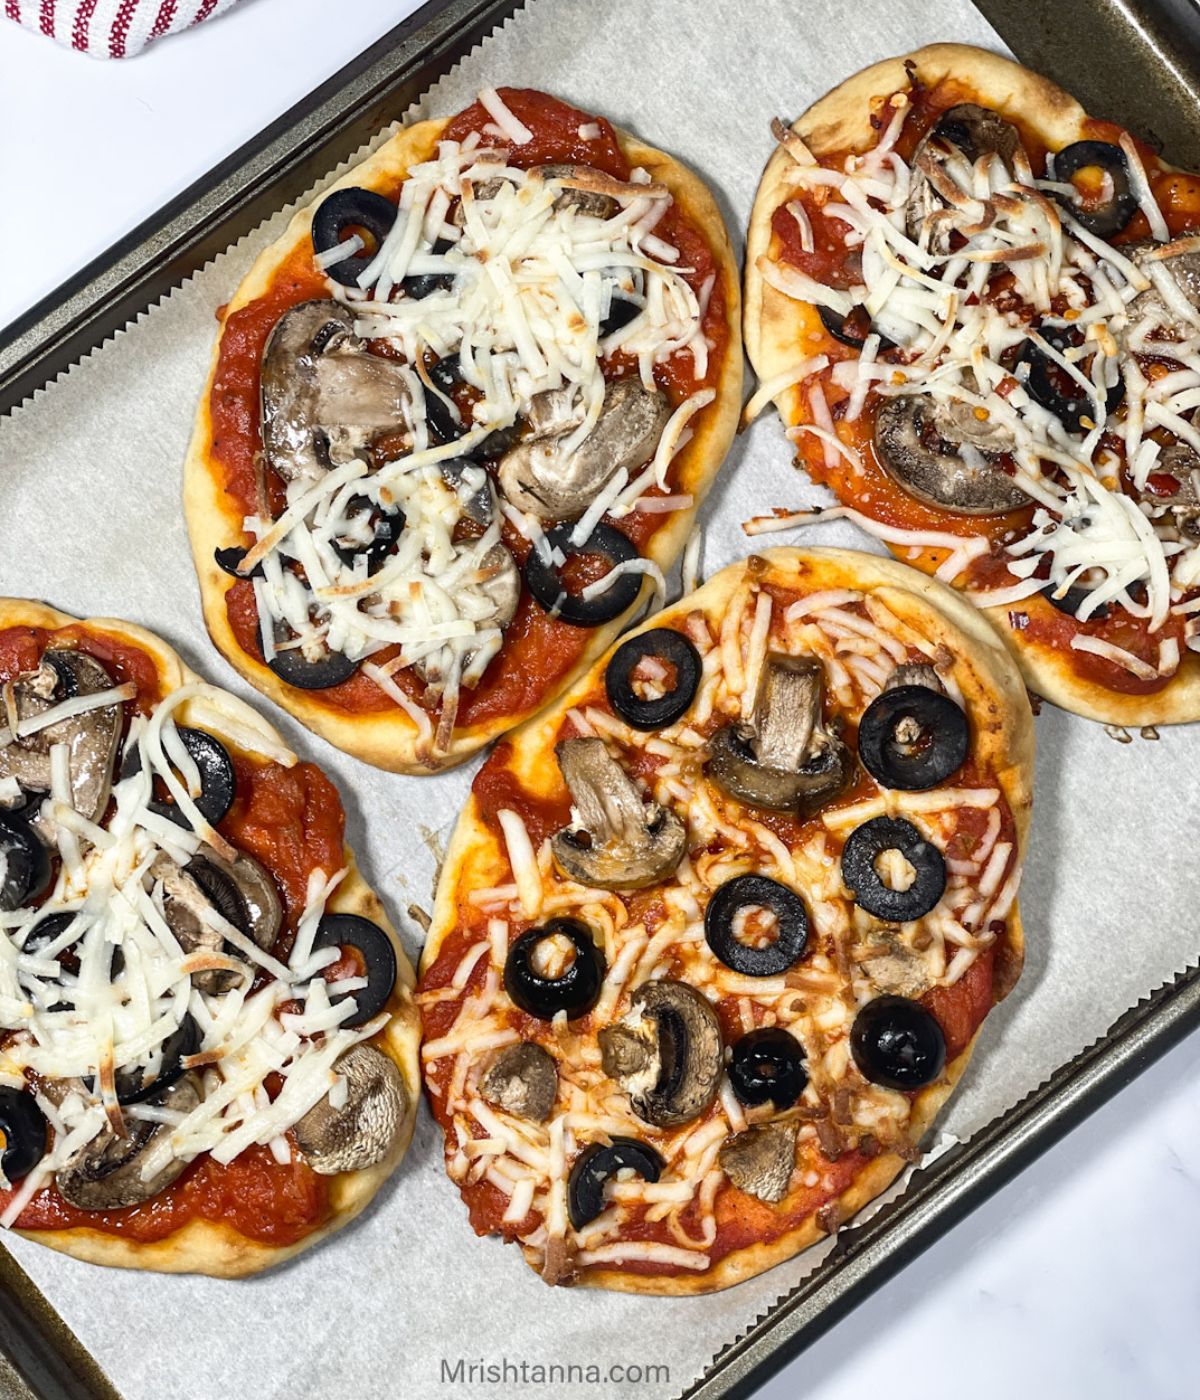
1082 1278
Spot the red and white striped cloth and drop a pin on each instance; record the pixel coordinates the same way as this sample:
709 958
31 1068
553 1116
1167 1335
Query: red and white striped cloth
111 28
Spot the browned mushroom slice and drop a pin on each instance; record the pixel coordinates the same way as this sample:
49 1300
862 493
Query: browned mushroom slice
1178 265
540 476
783 758
760 1161
325 398
891 965
240 891
915 673
591 202
622 842
951 147
942 454
665 1053
522 1080
91 738
107 1173
362 1131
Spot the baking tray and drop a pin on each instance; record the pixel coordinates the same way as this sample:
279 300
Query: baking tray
1136 62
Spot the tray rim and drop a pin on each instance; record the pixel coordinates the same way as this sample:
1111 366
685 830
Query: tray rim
278 165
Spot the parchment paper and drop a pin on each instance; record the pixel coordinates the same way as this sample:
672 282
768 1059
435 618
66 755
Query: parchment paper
90 520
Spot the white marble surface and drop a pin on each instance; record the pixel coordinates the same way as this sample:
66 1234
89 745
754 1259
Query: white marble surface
1080 1279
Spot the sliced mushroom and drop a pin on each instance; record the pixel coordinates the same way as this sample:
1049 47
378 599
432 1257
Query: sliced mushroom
621 842
585 201
107 1173
915 673
522 1080
760 1161
783 758
240 891
540 476
943 163
361 1132
91 738
1179 262
325 398
942 454
665 1052
891 965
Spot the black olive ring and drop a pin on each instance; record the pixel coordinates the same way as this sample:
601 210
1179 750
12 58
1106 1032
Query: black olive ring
901 759
341 210
229 560
23 1127
132 1084
1069 409
378 953
1115 213
665 644
897 1043
596 1164
419 285
26 863
543 581
51 927
863 847
387 528
748 892
218 781
836 326
767 1066
575 992
295 669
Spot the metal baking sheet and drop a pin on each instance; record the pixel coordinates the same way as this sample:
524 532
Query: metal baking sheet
1143 78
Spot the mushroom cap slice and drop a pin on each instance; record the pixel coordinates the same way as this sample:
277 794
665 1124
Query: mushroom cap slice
622 842
107 1173
522 1080
360 1134
916 444
760 1161
540 476
325 398
1180 260
665 1052
784 758
91 738
949 149
591 202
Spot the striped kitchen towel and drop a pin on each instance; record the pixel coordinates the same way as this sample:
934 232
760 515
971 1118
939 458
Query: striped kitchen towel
111 28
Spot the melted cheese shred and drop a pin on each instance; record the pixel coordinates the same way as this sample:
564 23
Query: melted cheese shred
533 279
852 957
77 1031
957 347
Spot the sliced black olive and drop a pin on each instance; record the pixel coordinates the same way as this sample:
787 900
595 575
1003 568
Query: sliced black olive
230 560
47 930
897 1043
132 1084
756 892
1115 212
912 738
423 284
1044 379
294 668
24 863
23 1129
350 208
387 526
1072 600
377 952
543 580
218 782
620 313
596 1165
767 1066
664 644
851 329
448 426
575 992
866 844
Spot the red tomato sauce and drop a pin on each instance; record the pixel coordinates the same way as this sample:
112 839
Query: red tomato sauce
742 1220
876 494
538 651
292 821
